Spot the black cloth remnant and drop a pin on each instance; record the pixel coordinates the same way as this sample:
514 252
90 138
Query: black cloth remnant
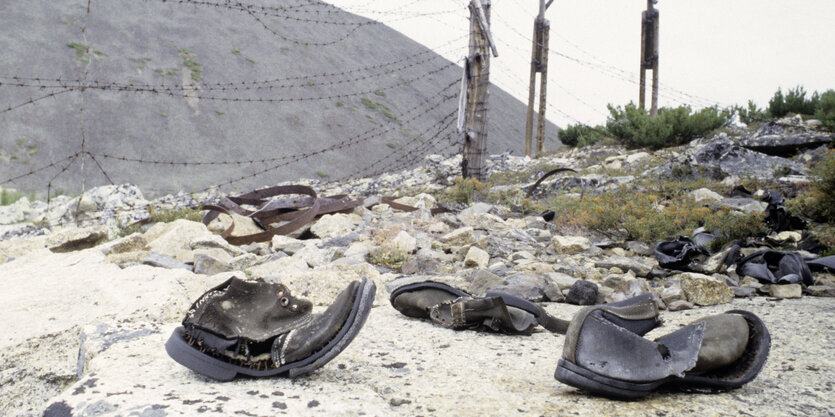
680 253
775 267
777 217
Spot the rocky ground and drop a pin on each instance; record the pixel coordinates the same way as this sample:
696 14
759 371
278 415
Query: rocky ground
87 311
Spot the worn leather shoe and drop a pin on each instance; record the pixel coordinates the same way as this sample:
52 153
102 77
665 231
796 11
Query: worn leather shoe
259 329
714 354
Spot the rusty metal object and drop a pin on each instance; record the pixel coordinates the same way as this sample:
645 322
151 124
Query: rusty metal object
407 208
292 213
532 188
295 211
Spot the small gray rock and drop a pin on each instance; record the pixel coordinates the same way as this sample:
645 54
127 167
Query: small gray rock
583 293
679 305
785 290
163 261
821 290
209 265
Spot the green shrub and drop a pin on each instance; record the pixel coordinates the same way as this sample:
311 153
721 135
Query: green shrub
464 191
581 135
751 114
826 109
11 196
819 203
671 127
793 102
627 214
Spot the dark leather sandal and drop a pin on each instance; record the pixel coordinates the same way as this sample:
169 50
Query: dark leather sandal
714 354
456 309
259 329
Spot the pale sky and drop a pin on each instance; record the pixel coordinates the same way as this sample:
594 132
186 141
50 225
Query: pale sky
711 51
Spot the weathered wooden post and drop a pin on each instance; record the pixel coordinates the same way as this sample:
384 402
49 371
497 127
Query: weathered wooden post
539 64
477 77
649 55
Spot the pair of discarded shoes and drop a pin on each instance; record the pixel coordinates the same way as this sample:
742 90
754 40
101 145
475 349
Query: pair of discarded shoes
259 329
605 349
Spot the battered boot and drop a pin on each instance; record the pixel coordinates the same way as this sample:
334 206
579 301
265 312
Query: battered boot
713 354
259 329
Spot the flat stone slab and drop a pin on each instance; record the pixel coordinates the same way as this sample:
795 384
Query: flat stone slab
399 366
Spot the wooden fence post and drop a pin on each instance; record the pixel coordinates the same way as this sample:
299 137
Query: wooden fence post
478 83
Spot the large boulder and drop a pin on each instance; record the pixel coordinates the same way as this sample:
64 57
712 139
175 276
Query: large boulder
705 290
570 245
337 224
174 239
785 137
731 159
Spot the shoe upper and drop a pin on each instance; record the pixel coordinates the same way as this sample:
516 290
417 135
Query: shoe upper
306 340
252 310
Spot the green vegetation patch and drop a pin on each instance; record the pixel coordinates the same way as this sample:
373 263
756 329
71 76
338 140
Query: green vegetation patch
650 217
819 203
671 127
190 61
581 135
392 258
81 51
378 107
8 197
825 111
157 214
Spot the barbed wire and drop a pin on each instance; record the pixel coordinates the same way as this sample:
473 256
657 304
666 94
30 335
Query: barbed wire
412 113
407 152
10 180
196 94
259 85
299 157
33 100
278 12
41 81
617 73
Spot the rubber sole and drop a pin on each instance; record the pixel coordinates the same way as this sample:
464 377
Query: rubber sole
579 377
745 370
178 348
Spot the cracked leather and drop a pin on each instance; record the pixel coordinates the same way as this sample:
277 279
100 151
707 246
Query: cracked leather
252 310
311 337
611 350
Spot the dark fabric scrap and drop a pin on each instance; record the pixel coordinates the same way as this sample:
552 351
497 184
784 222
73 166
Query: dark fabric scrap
822 264
776 267
679 253
777 217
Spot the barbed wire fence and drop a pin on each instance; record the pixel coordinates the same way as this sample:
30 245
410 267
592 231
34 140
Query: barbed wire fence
340 84
439 138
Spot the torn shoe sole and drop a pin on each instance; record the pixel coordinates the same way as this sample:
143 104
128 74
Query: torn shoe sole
730 377
191 357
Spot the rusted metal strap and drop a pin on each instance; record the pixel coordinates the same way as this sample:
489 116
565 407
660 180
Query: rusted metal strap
546 175
407 208
296 212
